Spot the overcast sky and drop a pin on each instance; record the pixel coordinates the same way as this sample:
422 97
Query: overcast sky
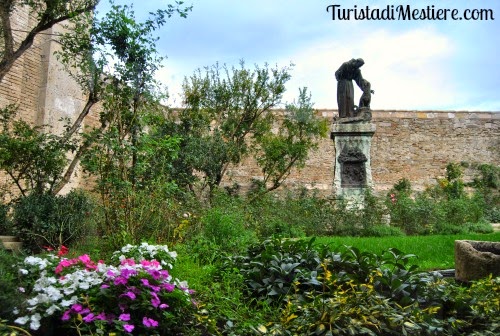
412 65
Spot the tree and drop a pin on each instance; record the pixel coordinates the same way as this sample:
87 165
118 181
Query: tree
102 54
125 153
48 13
228 116
289 147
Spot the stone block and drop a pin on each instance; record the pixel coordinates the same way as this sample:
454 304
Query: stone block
476 259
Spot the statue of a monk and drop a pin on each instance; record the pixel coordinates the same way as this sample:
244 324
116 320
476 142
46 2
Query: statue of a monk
348 72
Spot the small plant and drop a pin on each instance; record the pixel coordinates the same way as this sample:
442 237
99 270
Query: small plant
46 220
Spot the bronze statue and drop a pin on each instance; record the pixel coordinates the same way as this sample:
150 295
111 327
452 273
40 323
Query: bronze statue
348 72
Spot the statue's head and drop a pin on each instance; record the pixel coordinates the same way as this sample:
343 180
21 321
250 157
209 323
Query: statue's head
359 62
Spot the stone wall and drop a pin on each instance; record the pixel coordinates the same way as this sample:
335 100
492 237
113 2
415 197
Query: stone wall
37 83
416 145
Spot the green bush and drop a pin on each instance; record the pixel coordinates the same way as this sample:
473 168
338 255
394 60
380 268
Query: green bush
47 220
9 284
221 230
5 222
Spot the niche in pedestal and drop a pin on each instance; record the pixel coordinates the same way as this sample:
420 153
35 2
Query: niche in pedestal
353 170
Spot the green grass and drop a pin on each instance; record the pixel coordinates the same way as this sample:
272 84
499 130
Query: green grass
433 252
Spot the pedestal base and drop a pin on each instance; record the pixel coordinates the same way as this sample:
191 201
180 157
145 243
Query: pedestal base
352 172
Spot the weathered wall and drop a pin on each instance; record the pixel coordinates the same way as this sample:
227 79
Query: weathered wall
407 144
37 83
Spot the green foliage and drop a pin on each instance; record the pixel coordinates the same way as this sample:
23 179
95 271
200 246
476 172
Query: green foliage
128 155
221 231
224 108
299 133
442 209
32 158
487 183
403 186
48 220
272 267
9 283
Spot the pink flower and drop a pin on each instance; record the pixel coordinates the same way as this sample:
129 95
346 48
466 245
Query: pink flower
130 295
66 315
84 259
77 307
155 301
152 263
163 306
148 322
168 287
145 282
64 263
89 318
101 316
124 317
129 262
128 327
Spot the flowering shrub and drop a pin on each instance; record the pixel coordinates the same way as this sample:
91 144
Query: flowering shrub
134 294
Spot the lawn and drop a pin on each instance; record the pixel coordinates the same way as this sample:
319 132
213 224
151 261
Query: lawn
433 252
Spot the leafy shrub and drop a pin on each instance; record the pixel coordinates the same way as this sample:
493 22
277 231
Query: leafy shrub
349 292
272 267
9 283
47 220
221 231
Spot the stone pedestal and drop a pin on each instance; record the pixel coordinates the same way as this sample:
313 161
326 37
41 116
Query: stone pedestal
352 172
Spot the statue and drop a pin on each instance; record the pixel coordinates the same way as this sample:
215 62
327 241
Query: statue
348 72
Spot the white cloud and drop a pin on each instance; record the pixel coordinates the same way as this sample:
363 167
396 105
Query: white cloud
407 69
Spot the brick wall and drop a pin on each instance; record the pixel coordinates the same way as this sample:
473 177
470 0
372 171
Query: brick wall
416 145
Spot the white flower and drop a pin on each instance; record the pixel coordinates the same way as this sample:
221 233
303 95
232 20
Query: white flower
33 301
15 311
23 271
35 321
22 320
52 309
21 289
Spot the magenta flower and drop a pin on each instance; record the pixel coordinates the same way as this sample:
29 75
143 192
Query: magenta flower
89 318
145 282
130 295
168 287
128 327
120 281
148 322
66 315
155 301
164 306
124 317
127 273
101 316
77 307
155 274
